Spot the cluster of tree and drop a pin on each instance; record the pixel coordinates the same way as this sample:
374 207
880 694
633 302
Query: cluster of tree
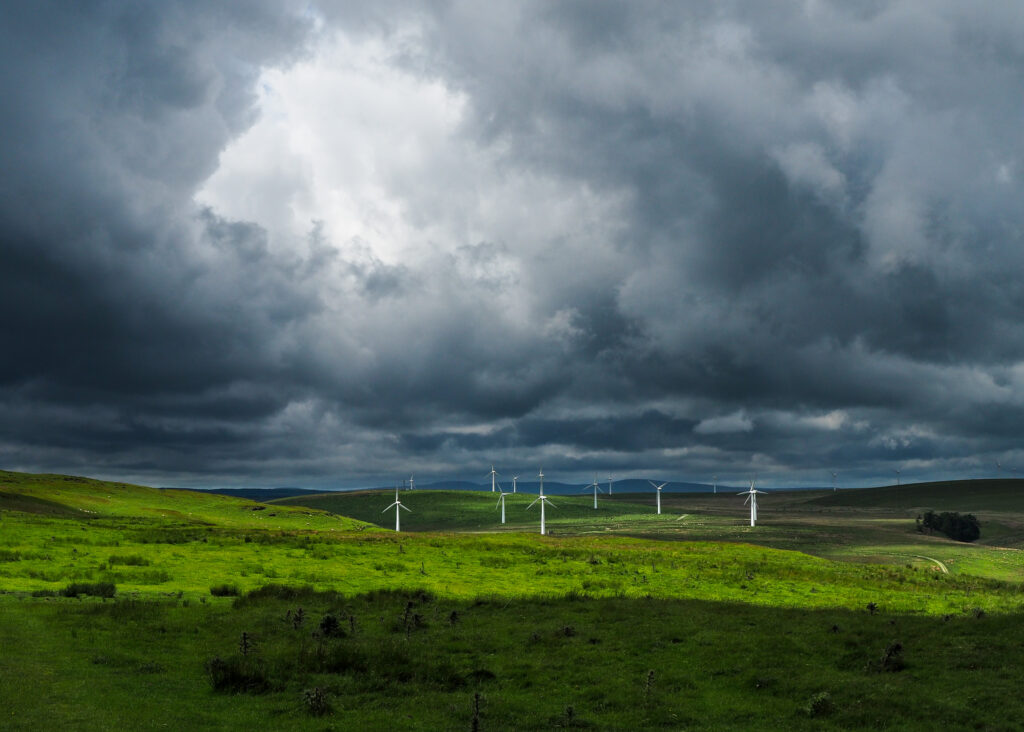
950 523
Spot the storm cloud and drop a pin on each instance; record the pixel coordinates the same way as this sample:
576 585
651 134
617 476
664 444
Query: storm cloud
343 244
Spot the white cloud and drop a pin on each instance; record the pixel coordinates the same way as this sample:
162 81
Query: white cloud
735 422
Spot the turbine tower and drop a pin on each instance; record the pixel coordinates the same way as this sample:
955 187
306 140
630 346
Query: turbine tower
834 481
596 488
609 485
501 502
397 505
412 483
715 479
543 500
752 497
493 475
658 489
514 479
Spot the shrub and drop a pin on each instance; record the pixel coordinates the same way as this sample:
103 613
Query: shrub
95 589
225 591
959 527
133 560
330 627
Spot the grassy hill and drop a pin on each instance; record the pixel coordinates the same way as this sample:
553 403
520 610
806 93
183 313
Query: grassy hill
84 497
436 510
223 619
965 496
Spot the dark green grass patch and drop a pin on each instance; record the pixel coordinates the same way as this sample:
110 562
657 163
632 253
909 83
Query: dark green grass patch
413 660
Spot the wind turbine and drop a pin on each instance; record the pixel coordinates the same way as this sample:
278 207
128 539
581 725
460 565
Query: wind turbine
514 479
752 497
609 485
834 481
543 499
412 483
501 502
596 488
897 477
397 505
658 489
493 474
715 479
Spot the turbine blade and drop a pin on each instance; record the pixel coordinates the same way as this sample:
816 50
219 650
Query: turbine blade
532 502
405 507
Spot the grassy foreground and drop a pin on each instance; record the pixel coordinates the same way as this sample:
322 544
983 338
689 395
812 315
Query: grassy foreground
225 617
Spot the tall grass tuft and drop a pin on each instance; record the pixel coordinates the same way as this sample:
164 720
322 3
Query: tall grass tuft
94 589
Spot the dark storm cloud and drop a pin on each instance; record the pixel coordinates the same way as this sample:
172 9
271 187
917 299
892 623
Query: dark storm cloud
799 246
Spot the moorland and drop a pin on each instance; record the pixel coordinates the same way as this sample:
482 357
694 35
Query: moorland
125 606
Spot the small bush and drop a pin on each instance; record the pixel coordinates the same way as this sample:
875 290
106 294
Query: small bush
94 589
225 591
132 560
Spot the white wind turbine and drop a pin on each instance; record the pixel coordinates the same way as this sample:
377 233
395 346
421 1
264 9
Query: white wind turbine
752 497
658 489
834 489
501 502
596 488
543 500
514 479
397 505
715 488
412 483
609 485
493 474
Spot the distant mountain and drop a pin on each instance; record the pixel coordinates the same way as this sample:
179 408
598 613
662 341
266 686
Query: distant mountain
555 488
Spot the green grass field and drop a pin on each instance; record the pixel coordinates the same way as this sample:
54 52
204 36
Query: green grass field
620 619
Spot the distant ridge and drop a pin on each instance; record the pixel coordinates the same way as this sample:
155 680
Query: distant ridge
260 495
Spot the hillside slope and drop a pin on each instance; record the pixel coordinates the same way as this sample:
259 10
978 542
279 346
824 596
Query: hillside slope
965 496
70 495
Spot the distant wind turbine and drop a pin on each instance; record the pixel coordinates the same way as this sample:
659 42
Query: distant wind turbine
658 489
493 474
543 500
596 488
609 485
514 479
834 481
897 477
397 505
412 483
715 478
752 497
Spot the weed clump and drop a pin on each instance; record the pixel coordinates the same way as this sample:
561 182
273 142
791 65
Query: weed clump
236 675
225 591
315 701
820 705
93 589
891 661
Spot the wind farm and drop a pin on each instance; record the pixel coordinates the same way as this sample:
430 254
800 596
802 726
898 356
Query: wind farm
511 366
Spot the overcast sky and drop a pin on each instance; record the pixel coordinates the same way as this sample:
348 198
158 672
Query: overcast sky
332 244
